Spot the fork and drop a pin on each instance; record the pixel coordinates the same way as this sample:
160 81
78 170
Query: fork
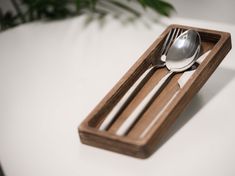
159 63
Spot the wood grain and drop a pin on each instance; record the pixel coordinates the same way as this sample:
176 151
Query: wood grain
131 144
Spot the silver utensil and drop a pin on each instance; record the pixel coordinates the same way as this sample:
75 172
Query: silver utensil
181 82
181 55
157 63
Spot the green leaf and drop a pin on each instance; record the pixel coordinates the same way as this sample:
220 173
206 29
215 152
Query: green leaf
30 10
78 5
162 7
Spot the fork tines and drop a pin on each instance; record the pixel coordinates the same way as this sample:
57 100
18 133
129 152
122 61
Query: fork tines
172 35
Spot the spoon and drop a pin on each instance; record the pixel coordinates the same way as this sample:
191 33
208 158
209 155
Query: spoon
182 54
157 62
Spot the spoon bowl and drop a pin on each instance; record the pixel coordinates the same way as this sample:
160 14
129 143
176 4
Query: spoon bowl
184 51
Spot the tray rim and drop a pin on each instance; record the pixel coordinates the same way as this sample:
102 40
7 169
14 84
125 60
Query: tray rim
142 143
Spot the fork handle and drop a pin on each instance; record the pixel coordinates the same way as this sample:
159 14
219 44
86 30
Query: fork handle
123 101
140 109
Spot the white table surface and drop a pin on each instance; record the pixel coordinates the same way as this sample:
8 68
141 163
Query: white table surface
53 74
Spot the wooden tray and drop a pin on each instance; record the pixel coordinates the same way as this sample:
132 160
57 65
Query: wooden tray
142 147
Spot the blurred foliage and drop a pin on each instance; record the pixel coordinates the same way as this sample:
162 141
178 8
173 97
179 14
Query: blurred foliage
31 10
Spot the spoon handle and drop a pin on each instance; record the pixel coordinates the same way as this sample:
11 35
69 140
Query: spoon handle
123 102
140 109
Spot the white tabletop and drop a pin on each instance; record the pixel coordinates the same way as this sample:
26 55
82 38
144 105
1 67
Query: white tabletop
53 74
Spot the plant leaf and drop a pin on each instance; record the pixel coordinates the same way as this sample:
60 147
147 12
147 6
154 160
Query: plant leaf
30 10
162 7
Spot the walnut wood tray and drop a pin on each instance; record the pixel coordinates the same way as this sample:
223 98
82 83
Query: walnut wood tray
142 147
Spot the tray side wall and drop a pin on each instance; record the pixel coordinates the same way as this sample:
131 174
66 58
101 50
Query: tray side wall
144 148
